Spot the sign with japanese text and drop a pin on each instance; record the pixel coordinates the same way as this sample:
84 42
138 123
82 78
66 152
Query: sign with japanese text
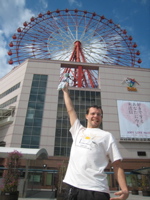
134 119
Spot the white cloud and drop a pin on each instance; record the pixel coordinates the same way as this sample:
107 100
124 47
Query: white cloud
12 14
77 3
4 66
44 2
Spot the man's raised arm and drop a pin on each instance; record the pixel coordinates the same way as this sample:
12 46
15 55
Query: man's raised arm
70 108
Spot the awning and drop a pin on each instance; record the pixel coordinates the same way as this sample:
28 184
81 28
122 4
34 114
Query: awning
142 171
29 154
5 112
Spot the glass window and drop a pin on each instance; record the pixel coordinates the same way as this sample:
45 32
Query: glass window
41 90
65 116
82 93
32 97
34 91
26 139
83 109
70 141
60 101
36 77
60 107
64 142
58 132
39 106
88 94
59 115
57 151
63 151
77 93
30 113
44 78
49 179
35 140
9 102
82 115
31 105
83 122
36 130
81 100
77 100
64 132
92 98
42 84
40 98
34 115
64 123
92 94
29 122
38 113
61 95
35 84
68 152
37 122
71 93
58 124
97 102
32 146
57 141
27 130
97 95
25 146
77 107
10 90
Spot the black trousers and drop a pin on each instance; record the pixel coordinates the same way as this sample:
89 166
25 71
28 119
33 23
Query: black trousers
73 193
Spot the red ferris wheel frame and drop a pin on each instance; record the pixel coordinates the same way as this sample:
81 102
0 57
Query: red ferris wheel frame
77 36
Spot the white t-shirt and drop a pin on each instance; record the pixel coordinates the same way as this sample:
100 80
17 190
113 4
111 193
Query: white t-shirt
90 153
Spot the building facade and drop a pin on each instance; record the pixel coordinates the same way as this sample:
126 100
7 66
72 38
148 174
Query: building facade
33 114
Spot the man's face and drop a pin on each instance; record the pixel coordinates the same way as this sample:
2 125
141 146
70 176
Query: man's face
94 118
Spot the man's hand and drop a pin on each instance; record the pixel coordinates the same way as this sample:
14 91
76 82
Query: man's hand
122 195
65 88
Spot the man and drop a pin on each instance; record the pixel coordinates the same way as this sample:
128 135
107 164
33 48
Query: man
90 153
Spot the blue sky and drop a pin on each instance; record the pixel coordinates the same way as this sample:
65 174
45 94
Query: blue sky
132 15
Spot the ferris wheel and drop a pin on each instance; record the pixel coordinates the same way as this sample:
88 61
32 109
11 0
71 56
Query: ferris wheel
77 36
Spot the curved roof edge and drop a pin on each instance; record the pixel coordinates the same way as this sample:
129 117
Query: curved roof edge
30 154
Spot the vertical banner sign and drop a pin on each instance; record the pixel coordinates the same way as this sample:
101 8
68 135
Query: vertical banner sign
134 119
